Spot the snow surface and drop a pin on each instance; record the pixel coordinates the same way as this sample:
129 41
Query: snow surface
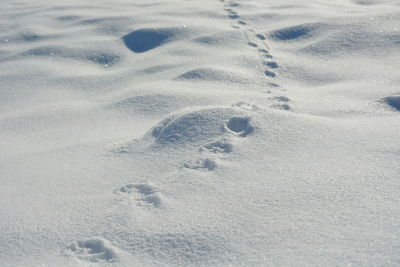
199 133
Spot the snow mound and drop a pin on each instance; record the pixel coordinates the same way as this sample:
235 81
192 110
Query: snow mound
350 39
149 104
220 39
211 74
201 125
95 56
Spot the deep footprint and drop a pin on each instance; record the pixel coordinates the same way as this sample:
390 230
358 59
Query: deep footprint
269 73
271 64
240 126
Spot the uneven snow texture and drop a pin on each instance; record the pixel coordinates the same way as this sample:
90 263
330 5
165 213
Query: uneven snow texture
199 133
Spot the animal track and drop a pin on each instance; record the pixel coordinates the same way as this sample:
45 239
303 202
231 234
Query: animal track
254 39
194 127
260 36
246 106
269 73
271 64
220 146
144 194
92 250
240 126
281 102
207 163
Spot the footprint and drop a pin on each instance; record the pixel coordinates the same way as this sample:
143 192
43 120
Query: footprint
269 73
252 44
233 4
144 194
271 64
281 106
257 39
240 126
273 85
281 98
92 250
206 164
220 146
260 36
246 106
281 102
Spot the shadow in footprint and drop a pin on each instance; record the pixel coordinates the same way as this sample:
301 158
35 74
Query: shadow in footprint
240 126
260 36
271 64
269 73
252 44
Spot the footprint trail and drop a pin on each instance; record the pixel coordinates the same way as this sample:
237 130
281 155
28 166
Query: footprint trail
254 39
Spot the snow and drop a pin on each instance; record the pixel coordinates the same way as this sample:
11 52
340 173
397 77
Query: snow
199 133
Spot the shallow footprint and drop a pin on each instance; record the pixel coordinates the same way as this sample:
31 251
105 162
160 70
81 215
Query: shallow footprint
246 106
220 146
205 164
144 194
92 250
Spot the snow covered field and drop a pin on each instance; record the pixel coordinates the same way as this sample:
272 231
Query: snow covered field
200 133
